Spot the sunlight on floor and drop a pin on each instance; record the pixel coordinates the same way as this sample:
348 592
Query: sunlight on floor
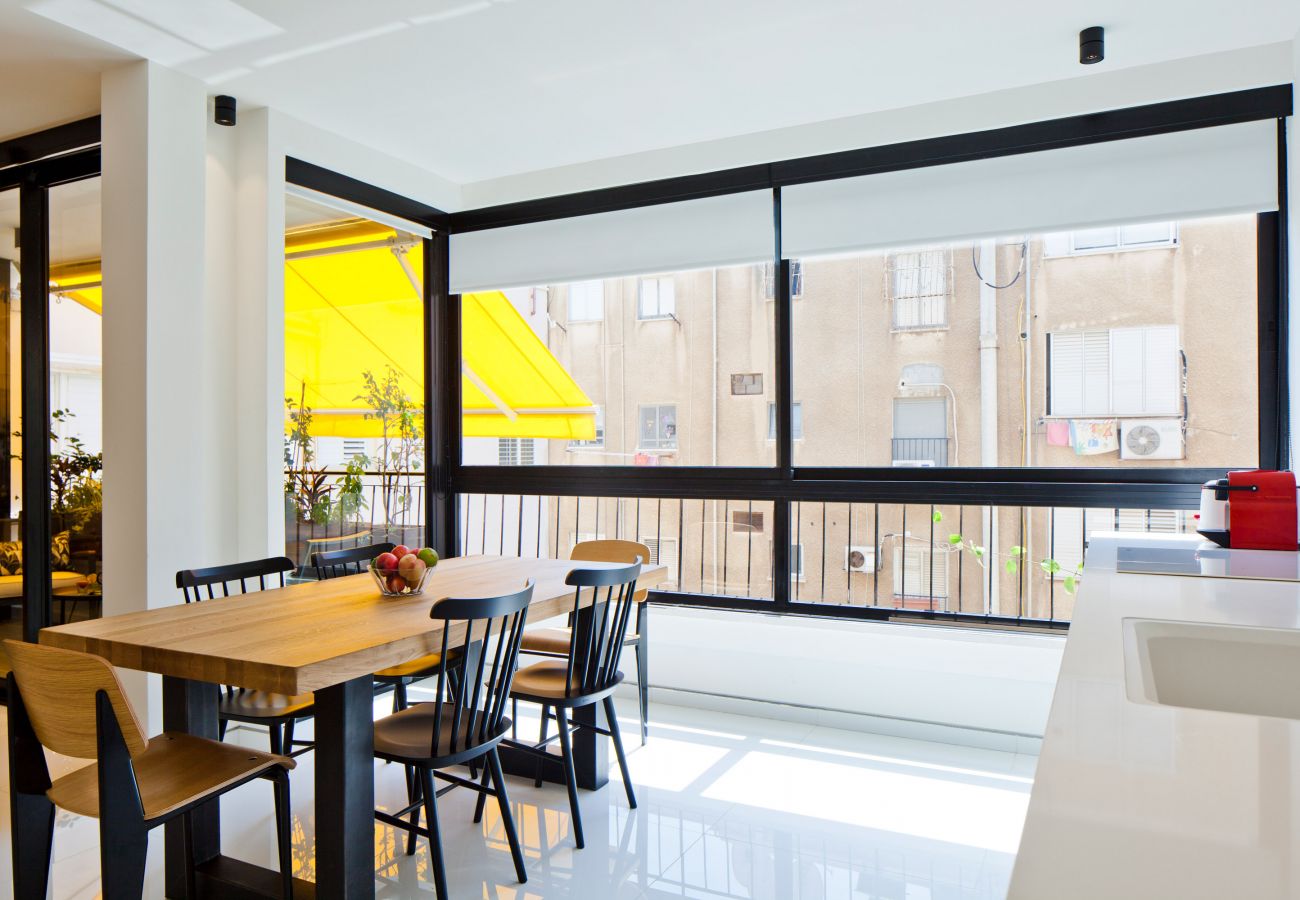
729 807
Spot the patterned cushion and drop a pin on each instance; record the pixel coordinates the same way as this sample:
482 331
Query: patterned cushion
11 555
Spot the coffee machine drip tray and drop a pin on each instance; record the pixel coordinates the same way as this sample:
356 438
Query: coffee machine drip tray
1210 562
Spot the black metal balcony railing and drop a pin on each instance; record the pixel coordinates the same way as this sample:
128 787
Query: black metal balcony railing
998 565
920 451
387 507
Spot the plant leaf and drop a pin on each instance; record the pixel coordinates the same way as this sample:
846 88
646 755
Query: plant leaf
1011 567
936 516
1071 585
954 539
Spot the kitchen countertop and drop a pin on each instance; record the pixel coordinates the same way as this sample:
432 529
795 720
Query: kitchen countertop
1136 800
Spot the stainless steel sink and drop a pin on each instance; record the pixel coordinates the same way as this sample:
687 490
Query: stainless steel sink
1226 668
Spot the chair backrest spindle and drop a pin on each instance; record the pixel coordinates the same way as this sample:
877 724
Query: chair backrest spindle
349 561
596 640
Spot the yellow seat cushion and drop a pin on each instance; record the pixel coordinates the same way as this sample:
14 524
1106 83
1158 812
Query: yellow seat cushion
420 667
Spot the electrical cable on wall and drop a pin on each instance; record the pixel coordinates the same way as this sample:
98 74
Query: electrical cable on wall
974 261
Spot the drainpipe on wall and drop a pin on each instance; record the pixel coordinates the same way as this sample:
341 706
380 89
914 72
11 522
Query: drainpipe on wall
989 397
1028 326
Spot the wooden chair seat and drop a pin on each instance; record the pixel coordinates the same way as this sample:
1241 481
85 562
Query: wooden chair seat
174 771
405 736
544 682
253 706
421 667
555 641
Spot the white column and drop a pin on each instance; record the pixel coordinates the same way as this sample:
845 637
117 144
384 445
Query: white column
258 350
153 251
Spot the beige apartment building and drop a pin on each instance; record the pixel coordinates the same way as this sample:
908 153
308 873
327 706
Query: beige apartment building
1094 348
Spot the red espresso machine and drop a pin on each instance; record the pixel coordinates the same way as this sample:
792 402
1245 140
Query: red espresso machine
1251 510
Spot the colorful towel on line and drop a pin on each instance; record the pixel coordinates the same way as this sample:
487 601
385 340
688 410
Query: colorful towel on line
1093 436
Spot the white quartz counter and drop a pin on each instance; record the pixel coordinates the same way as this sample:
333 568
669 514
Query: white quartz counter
1137 800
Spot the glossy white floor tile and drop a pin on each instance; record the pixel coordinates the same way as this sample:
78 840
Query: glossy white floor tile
729 807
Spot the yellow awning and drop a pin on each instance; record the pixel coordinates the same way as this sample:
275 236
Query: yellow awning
352 305
80 282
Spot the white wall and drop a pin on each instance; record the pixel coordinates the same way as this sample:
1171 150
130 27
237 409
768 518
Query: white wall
1091 91
935 682
153 248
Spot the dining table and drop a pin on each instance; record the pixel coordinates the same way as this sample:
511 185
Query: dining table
326 637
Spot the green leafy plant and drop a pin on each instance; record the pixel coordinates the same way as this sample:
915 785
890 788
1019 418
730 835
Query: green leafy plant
401 446
350 500
1014 559
306 486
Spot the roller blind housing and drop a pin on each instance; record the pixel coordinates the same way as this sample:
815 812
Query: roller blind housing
671 237
1227 169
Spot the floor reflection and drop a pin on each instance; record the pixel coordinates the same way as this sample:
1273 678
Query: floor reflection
730 807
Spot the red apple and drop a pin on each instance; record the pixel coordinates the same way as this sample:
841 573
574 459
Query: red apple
412 569
386 562
401 550
395 584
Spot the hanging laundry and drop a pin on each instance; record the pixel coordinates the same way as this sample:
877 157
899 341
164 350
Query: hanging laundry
1093 436
1058 433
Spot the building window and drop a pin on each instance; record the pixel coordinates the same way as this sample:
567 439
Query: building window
920 573
1148 236
353 447
658 427
798 421
1115 372
919 284
663 551
587 301
747 385
598 442
796 279
747 522
516 451
796 562
656 298
920 431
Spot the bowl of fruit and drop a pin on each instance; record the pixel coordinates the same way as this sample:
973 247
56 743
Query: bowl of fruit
402 571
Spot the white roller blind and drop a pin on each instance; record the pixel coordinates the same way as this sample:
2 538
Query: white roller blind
1205 172
671 237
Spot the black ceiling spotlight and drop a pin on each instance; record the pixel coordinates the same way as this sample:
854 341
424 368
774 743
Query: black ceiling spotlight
1092 45
224 110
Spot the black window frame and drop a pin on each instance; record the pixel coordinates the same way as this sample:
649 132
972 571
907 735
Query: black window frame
784 483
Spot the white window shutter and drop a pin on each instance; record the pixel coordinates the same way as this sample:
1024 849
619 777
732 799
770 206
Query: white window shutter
1127 385
1067 374
1163 371
1096 373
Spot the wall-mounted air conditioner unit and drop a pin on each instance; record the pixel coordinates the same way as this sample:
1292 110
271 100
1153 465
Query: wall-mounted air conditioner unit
860 559
1151 439
913 464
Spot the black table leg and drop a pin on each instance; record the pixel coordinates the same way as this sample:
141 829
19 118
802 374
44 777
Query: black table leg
345 790
191 707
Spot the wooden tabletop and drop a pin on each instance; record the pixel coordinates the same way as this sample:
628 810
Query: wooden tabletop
309 636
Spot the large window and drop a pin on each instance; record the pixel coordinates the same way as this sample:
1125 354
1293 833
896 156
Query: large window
640 390
1064 361
354 382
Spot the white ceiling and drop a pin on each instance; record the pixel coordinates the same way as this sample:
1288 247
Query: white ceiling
479 89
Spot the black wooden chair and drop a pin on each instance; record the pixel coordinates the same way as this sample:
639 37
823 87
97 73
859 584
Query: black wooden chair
73 704
464 724
588 674
278 712
353 561
554 642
